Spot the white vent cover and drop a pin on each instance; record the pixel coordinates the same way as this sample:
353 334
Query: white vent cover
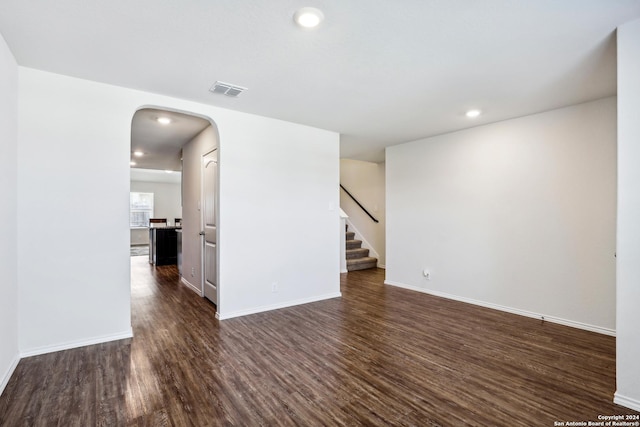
227 89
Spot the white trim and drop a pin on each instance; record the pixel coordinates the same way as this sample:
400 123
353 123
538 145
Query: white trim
365 242
7 376
384 267
539 316
75 344
277 306
190 286
344 271
627 402
343 247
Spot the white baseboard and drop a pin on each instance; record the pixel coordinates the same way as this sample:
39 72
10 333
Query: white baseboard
7 375
344 271
382 266
75 344
264 308
190 286
539 316
627 402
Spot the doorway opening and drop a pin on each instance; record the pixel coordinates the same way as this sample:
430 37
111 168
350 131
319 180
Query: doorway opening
174 197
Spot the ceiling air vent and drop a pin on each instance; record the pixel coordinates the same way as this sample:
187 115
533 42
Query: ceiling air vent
227 89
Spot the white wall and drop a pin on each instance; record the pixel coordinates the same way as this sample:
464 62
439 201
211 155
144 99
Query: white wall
192 153
517 215
366 182
628 233
166 204
8 212
275 177
279 215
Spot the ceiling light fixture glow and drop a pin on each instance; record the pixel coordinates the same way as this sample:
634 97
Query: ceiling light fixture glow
132 163
163 120
473 113
308 17
168 171
138 153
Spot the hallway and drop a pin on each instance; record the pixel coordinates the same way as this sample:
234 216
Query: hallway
378 356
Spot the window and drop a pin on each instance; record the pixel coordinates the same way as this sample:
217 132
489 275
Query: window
140 209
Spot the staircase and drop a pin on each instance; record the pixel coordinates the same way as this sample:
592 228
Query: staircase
357 257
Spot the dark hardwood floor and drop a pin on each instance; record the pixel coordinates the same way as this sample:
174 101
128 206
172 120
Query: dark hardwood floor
378 356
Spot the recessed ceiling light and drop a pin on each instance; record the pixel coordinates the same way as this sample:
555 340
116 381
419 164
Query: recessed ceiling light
473 113
163 120
308 17
138 153
132 163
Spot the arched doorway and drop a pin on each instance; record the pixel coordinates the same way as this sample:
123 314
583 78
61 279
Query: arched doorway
169 146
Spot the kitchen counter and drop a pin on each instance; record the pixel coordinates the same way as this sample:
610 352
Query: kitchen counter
163 245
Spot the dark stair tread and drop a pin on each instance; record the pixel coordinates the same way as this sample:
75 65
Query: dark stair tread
357 253
353 244
361 263
363 260
350 235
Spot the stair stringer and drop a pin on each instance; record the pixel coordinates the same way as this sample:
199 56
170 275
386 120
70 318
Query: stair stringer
365 243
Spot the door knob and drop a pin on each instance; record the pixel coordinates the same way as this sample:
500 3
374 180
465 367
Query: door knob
202 233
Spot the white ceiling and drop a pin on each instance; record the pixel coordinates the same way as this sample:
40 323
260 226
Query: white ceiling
154 175
379 72
162 144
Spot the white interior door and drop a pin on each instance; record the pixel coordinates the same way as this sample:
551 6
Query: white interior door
209 226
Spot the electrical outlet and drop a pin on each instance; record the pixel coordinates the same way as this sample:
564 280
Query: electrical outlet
193 271
274 287
427 274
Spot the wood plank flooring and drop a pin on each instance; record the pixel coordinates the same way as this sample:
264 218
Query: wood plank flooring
378 356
